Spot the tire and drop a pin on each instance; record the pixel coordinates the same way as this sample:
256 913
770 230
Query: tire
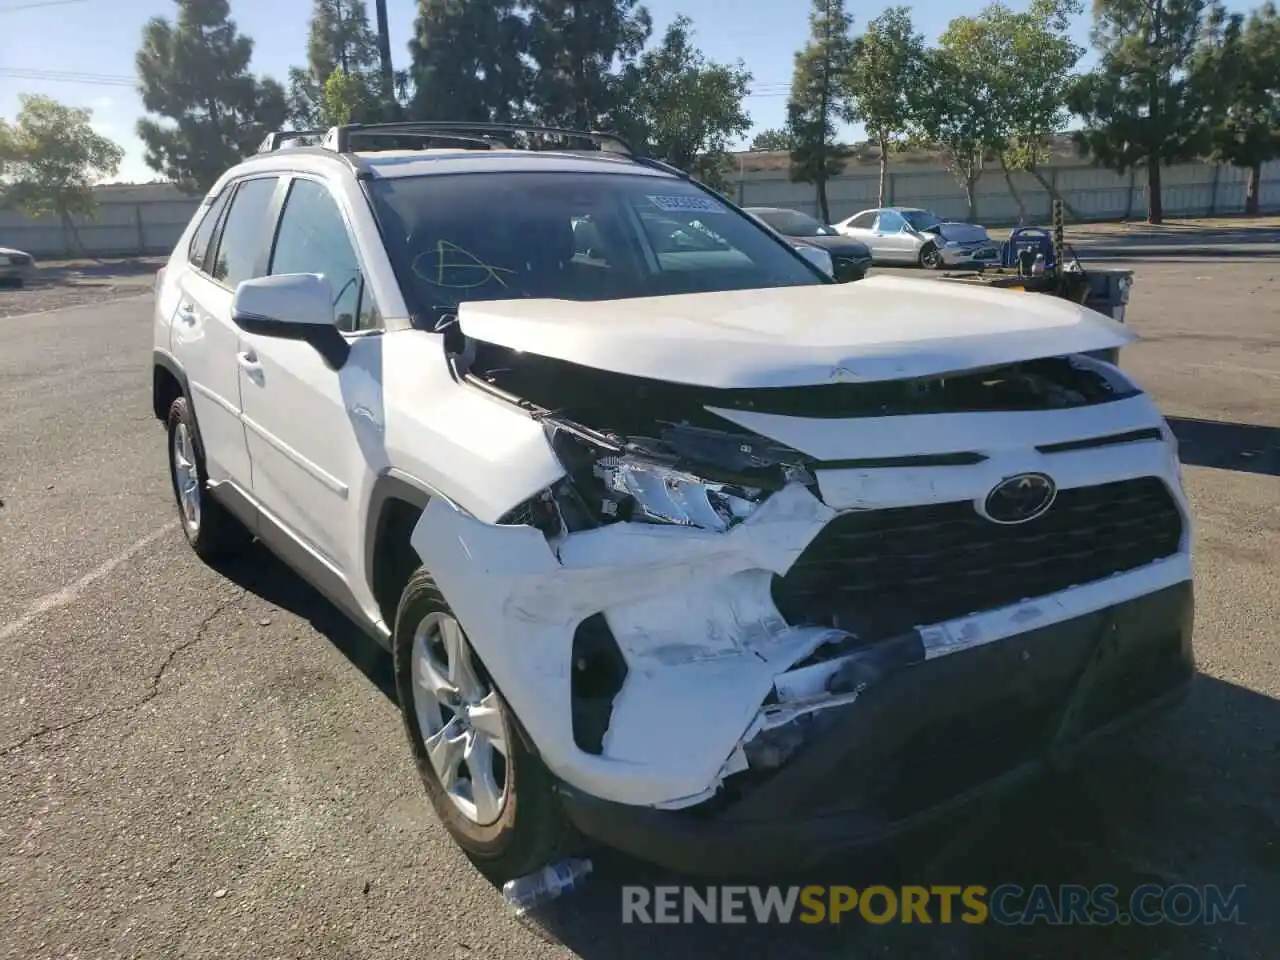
529 829
213 532
931 257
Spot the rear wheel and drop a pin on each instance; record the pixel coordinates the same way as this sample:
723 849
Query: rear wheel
931 257
490 791
210 529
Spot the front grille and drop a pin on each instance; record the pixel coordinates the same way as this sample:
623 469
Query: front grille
881 572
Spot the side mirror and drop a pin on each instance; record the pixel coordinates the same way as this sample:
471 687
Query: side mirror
291 306
819 258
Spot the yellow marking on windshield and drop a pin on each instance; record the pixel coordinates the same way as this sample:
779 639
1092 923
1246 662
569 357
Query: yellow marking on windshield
451 258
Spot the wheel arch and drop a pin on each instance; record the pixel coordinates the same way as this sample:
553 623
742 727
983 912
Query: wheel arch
168 383
395 504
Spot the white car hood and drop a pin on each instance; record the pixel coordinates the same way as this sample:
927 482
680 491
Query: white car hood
882 328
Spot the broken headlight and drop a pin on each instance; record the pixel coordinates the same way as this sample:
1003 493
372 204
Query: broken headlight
646 491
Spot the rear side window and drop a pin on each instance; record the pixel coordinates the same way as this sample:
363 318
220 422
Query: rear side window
198 249
312 238
244 238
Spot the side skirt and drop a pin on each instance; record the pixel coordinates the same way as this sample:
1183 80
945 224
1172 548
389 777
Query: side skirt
300 558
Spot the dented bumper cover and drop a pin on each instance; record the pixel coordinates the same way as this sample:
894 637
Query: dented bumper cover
922 741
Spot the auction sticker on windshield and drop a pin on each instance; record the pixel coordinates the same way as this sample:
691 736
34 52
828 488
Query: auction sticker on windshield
685 204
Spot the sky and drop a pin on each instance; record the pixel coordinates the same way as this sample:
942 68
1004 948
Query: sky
81 52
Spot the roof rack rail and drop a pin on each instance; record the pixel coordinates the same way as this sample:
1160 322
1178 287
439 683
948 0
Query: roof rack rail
339 138
273 141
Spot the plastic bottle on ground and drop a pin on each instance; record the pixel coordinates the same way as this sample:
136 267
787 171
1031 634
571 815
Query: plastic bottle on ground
547 884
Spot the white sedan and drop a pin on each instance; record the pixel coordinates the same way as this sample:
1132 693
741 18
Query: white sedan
906 235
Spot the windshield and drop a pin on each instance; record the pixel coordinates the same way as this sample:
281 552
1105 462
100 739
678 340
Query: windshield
921 219
502 236
792 223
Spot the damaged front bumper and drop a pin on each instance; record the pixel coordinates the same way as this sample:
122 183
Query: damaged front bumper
920 742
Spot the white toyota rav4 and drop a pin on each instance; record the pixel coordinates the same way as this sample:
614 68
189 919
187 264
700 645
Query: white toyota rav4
683 547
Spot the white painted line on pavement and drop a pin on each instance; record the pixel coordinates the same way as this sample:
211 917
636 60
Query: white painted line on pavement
75 306
60 598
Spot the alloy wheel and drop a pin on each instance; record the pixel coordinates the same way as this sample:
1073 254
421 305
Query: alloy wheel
186 477
460 718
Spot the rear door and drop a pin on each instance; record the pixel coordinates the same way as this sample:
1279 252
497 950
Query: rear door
229 246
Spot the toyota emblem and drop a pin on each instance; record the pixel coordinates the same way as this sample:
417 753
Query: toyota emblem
1020 498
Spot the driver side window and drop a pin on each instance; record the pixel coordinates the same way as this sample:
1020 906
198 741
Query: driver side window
890 222
312 238
864 221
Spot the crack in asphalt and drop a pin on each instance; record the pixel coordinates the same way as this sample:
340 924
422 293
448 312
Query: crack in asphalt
153 686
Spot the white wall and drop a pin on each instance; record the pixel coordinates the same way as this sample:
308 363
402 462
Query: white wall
1189 190
131 220
149 218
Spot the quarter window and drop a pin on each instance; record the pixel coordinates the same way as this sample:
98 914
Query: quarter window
244 235
312 238
198 250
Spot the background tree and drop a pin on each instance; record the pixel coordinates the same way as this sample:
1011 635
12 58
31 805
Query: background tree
683 109
820 99
580 49
1039 62
1236 69
771 140
1138 107
956 112
884 77
195 73
1017 66
340 38
344 95
51 157
467 61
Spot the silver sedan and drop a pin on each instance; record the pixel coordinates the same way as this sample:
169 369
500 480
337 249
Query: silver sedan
16 267
902 235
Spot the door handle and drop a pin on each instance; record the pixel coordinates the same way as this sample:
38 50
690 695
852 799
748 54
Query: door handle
248 361
187 313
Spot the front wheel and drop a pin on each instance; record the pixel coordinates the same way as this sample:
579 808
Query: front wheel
931 257
490 791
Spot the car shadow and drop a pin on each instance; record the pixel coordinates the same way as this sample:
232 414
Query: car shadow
1243 447
1188 798
260 572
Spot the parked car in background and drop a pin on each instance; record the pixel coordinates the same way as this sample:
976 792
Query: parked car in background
16 267
850 259
911 235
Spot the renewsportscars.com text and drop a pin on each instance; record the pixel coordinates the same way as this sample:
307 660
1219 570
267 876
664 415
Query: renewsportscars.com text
1007 904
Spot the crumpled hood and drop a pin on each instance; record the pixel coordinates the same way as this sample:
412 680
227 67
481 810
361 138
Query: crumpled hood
962 232
882 328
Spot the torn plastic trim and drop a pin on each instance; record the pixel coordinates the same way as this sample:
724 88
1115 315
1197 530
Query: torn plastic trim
691 610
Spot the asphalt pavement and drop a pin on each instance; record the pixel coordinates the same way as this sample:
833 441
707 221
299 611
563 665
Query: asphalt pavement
206 763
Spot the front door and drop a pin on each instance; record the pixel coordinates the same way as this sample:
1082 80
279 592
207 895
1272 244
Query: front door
893 242
313 430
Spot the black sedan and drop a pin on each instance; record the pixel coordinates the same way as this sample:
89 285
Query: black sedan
850 258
